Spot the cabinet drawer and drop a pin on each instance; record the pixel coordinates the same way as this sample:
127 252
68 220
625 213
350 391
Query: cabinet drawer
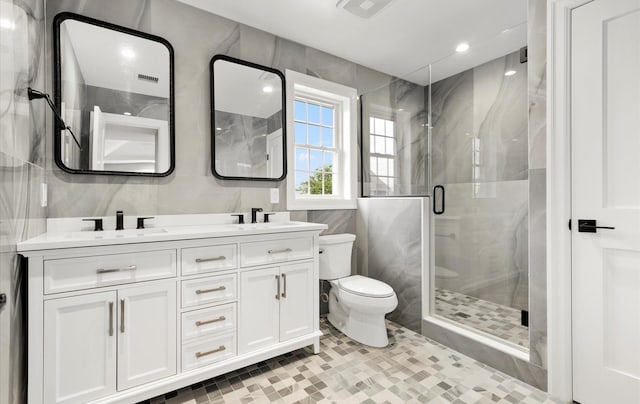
214 320
208 290
266 252
68 274
207 351
208 259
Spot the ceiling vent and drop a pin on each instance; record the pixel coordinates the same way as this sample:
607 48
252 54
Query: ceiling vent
363 8
145 77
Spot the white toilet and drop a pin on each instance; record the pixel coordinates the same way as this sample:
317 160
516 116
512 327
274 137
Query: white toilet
357 304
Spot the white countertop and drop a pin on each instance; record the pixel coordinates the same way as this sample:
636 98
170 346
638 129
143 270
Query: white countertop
165 230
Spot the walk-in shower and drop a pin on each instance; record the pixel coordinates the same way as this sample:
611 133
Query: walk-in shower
479 173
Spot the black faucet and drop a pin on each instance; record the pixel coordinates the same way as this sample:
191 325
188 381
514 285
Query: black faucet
119 220
254 212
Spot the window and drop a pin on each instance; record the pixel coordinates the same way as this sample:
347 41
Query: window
321 140
382 156
315 147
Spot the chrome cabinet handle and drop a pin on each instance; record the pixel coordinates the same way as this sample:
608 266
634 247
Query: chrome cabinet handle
205 322
284 250
106 271
278 284
122 316
219 349
284 281
218 289
111 319
219 258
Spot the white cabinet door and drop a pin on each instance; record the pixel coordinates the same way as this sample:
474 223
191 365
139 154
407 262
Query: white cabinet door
258 319
80 348
146 334
296 300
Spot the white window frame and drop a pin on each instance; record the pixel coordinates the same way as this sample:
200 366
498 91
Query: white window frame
345 129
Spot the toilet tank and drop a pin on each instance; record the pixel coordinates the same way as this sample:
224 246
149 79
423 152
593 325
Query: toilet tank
335 255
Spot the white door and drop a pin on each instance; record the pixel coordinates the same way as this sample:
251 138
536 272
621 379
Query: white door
80 348
296 300
606 187
146 334
259 305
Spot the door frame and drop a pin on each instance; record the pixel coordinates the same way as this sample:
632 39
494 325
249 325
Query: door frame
559 336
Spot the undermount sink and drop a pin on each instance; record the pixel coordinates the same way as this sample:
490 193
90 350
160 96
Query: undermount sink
91 235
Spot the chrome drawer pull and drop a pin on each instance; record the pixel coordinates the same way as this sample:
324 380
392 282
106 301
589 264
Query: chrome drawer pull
219 349
220 258
205 322
111 319
122 316
278 283
106 271
218 289
284 250
284 280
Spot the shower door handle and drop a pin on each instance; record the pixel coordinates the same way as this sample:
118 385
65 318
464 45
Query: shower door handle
437 211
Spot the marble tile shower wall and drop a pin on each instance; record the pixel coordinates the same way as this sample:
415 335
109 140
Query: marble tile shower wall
196 36
479 153
21 173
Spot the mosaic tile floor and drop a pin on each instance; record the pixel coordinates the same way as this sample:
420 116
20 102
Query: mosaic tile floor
412 369
492 318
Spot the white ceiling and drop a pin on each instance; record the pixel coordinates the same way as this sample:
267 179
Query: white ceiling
99 54
400 40
239 89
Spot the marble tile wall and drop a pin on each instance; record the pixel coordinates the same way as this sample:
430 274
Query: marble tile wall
390 229
21 173
195 36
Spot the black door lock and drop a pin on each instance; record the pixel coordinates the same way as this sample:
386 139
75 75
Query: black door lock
589 226
3 299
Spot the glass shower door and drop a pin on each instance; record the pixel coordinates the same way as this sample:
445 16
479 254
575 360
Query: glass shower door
479 169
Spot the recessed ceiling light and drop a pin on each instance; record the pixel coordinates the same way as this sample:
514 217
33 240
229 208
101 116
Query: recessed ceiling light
462 47
126 113
6 24
267 89
509 73
128 53
218 128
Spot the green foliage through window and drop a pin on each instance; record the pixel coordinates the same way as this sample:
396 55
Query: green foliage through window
314 185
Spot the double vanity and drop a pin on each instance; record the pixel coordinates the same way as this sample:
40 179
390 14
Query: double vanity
123 316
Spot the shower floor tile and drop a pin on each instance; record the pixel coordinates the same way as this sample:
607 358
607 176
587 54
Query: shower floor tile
489 317
412 369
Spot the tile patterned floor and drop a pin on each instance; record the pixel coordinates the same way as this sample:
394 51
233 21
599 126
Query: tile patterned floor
492 318
412 369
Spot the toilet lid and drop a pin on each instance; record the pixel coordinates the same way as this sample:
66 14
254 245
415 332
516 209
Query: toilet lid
363 286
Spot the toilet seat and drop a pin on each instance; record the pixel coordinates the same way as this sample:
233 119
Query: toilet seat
366 287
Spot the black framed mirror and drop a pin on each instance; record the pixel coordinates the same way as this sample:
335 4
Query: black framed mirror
248 130
114 88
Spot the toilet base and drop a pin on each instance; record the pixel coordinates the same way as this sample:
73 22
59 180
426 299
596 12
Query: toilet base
367 328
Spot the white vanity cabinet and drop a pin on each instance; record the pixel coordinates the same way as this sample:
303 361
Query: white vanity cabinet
121 323
276 305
